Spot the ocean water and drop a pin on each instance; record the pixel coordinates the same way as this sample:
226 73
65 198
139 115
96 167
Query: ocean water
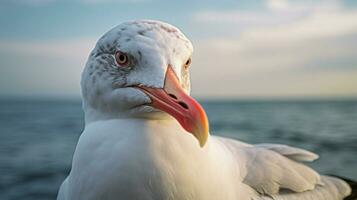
37 138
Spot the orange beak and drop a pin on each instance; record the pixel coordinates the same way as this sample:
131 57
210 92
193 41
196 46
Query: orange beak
173 100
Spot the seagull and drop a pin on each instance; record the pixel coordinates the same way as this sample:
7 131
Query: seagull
146 138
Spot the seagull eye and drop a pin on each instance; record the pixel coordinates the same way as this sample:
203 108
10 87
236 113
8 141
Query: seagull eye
122 59
187 63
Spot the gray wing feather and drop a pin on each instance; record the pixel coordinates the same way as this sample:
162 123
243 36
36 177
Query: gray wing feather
275 171
332 189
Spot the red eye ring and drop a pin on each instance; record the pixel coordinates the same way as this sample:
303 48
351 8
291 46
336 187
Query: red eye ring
121 59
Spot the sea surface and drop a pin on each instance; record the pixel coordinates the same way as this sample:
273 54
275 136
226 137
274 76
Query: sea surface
38 137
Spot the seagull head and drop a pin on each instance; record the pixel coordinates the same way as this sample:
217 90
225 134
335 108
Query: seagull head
141 69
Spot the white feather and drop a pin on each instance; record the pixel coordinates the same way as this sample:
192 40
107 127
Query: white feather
293 153
157 159
332 189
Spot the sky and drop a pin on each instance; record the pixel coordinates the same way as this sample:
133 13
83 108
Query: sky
242 49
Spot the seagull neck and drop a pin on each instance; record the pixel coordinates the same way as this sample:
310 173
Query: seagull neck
136 129
93 115
148 134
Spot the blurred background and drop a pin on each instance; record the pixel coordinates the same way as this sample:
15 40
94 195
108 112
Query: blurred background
273 71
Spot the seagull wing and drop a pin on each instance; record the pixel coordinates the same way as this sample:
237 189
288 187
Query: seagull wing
332 189
293 153
275 171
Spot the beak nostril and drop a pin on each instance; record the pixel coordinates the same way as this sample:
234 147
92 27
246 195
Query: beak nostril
173 96
184 105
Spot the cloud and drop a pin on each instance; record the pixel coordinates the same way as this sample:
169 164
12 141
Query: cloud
317 25
271 53
275 13
70 48
233 19
28 2
112 1
87 2
302 6
313 55
277 4
43 67
239 68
